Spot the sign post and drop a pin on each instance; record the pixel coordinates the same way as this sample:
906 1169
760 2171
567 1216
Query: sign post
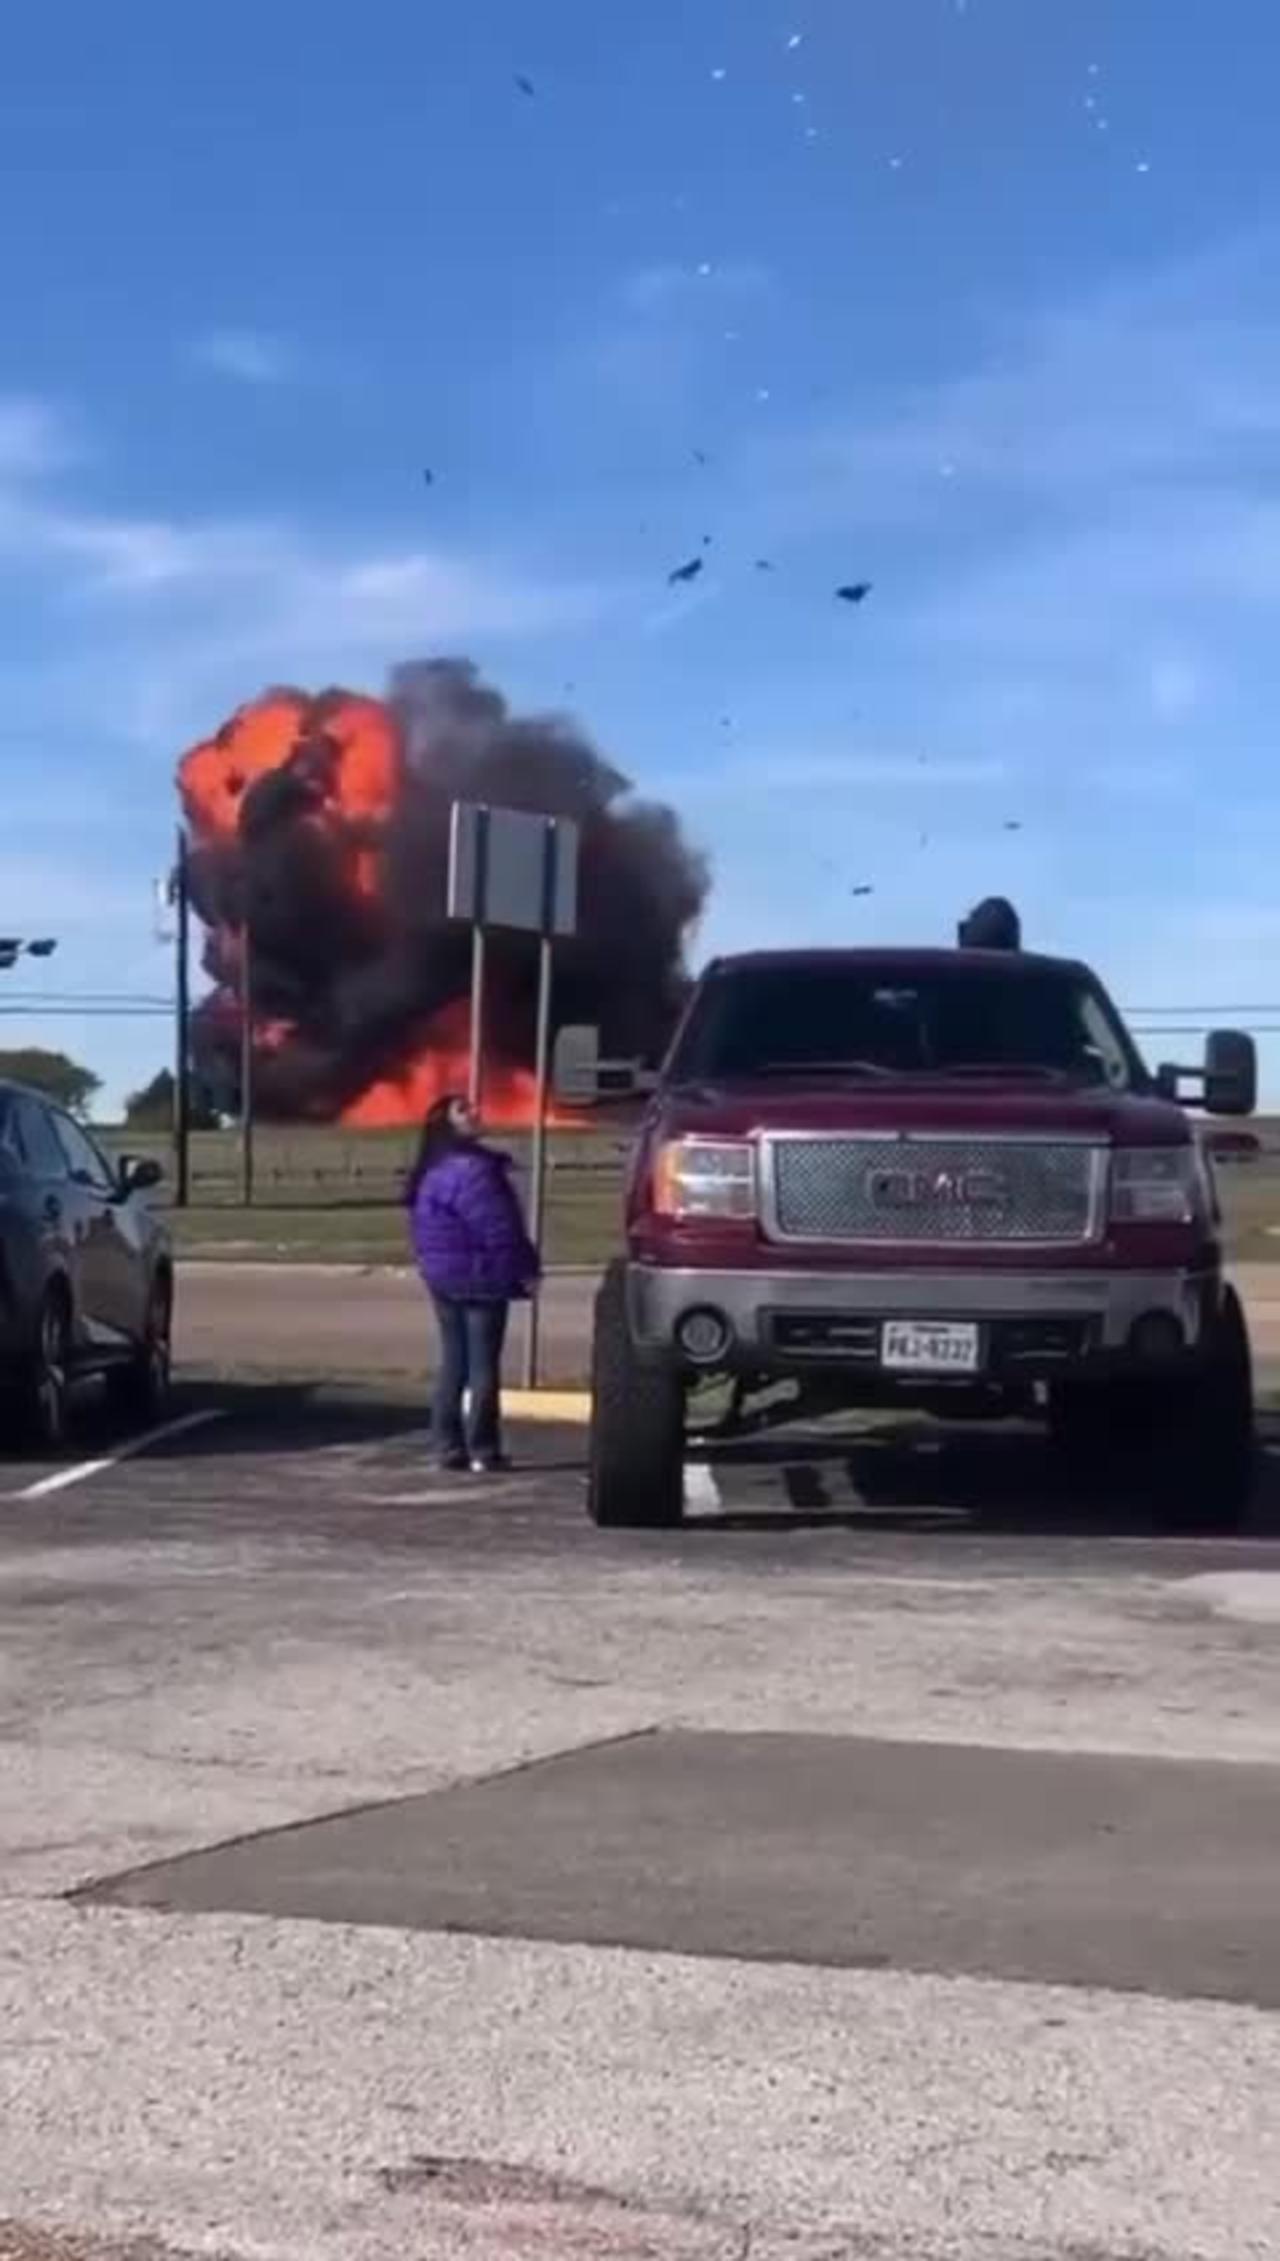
508 867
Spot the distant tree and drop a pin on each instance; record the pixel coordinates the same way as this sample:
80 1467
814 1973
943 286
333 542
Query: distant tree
63 1080
151 1109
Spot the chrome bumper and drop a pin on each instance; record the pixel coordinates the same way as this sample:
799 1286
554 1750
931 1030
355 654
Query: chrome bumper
1111 1302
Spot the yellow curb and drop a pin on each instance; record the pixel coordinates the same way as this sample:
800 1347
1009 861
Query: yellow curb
547 1405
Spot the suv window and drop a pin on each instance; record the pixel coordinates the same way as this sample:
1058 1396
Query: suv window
86 1162
869 1020
34 1139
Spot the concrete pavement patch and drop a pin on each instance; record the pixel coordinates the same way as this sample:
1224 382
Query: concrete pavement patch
1151 1876
1251 1596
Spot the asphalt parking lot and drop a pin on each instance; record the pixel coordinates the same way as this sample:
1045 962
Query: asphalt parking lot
392 1863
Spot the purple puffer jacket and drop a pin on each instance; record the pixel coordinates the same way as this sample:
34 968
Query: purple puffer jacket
468 1229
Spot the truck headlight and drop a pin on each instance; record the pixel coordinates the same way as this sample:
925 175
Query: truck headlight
705 1177
1158 1185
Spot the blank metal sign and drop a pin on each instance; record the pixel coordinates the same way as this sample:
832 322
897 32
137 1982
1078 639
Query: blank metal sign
510 868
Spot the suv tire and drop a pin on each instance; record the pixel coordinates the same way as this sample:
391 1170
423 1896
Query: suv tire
635 1469
139 1390
42 1398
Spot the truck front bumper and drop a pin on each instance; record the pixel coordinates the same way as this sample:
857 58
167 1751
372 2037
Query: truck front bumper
1030 1326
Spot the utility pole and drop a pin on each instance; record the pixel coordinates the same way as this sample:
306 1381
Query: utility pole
180 898
246 1062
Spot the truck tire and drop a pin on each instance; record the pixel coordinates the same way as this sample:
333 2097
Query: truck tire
635 1469
1203 1433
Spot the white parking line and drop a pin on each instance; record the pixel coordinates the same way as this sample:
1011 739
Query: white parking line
701 1491
82 1470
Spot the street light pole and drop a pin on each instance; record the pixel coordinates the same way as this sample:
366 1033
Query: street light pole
15 946
181 1028
246 1063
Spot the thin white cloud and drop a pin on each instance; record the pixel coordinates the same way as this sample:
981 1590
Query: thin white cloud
34 438
255 582
666 286
796 770
249 357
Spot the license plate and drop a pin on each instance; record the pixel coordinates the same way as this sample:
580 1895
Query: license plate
927 1346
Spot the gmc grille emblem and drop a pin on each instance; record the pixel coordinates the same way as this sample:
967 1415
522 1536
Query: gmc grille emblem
948 1189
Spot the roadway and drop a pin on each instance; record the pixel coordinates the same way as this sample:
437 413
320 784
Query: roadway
357 1320
886 1864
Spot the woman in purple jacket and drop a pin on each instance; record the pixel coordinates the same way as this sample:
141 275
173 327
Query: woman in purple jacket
476 1258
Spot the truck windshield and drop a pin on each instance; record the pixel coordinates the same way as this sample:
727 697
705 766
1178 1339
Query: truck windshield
1014 1023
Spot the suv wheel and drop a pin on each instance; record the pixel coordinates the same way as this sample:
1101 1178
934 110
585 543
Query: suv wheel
636 1450
43 1396
139 1391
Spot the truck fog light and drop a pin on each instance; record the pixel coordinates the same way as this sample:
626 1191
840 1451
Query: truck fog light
703 1336
1156 1335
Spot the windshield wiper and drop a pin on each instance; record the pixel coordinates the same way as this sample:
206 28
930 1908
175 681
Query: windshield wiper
1014 1070
820 1068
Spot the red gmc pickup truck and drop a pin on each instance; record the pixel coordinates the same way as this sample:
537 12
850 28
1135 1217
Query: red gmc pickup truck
936 1178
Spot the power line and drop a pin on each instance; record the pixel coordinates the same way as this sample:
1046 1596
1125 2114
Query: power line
86 1012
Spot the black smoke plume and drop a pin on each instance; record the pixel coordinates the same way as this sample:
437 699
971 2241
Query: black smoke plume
345 983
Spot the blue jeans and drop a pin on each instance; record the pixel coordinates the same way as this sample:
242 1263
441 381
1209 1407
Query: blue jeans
471 1339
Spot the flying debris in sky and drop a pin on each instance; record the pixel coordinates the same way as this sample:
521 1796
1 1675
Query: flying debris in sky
862 891
764 565
796 40
1013 824
706 541
726 722
525 85
854 592
428 477
700 457
687 572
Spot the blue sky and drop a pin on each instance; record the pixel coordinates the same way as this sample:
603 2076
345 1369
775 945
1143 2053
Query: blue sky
974 299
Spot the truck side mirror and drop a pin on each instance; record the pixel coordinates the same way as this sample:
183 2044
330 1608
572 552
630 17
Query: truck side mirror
580 1078
575 1067
1230 1072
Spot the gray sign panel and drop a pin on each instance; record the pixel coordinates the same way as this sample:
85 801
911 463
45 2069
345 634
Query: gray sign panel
509 868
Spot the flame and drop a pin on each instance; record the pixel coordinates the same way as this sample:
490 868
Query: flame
438 1068
215 776
345 751
343 745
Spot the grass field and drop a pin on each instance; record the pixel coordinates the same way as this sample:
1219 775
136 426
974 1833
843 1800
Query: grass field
333 1196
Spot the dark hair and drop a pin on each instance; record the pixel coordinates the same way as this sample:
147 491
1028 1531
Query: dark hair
439 1137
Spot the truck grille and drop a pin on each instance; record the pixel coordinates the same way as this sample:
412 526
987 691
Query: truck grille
954 1191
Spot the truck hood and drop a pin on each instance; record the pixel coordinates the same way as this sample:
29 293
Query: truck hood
740 1109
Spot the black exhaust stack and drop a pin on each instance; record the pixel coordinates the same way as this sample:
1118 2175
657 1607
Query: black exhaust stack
991 925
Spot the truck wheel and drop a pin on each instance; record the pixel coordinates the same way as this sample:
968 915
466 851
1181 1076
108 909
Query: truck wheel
1203 1433
635 1475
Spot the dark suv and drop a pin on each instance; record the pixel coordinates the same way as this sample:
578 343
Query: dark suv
86 1274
